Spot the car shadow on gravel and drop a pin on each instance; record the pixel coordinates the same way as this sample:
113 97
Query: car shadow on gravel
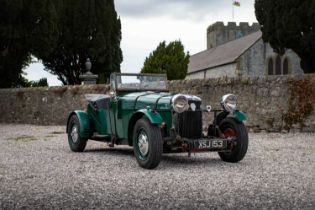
168 159
115 151
176 160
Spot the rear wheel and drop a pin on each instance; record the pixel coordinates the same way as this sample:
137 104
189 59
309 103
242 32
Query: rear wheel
232 128
76 143
147 144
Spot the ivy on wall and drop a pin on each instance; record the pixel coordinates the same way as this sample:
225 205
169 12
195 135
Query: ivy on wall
301 100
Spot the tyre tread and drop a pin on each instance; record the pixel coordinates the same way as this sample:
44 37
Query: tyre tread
81 144
242 135
155 146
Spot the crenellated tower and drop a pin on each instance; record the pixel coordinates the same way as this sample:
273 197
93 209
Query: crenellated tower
218 33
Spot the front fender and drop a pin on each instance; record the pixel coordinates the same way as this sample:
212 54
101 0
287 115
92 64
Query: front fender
83 121
154 117
240 116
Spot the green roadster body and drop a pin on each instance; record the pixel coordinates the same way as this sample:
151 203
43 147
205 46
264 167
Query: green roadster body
140 112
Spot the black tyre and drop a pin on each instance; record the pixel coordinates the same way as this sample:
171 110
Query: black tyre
76 143
147 144
232 128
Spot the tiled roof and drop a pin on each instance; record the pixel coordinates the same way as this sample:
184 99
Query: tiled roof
223 54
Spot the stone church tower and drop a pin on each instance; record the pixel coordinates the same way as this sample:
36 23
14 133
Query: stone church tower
238 50
218 33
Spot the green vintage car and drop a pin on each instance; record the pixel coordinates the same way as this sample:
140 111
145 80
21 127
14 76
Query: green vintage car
141 113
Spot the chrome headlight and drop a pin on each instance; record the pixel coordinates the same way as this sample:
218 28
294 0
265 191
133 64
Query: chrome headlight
180 103
229 102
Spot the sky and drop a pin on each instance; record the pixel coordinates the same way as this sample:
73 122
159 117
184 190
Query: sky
146 23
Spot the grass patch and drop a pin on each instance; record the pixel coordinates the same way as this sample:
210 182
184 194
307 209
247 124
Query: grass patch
49 136
57 132
23 138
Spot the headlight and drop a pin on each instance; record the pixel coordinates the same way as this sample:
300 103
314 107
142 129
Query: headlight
180 103
229 102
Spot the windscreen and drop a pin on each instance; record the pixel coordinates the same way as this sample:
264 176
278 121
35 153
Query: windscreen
125 82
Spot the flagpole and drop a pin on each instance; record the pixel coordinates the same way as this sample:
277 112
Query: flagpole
232 10
235 3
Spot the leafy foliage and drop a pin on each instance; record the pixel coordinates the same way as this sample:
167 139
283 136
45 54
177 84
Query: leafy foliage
289 24
40 83
168 59
301 100
23 82
88 29
25 27
13 53
63 34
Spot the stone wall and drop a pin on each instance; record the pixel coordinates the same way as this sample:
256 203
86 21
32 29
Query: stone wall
44 106
265 100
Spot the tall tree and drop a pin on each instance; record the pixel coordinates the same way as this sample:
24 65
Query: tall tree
25 27
168 59
13 53
88 29
63 34
289 24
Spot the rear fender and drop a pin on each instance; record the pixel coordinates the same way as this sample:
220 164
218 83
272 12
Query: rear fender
84 123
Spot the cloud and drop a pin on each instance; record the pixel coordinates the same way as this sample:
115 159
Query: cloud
145 23
183 9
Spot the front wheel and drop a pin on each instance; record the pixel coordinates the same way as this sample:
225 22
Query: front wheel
76 143
232 128
147 144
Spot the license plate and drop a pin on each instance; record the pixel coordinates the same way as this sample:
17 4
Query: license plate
207 144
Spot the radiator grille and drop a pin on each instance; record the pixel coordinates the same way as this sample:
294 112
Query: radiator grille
189 123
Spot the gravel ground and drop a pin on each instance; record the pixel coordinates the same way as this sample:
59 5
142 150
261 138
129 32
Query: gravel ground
38 171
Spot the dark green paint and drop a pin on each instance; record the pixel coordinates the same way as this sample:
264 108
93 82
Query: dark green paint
154 117
84 123
99 118
126 105
241 116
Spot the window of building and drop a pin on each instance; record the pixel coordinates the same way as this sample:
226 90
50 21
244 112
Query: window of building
270 66
278 65
285 66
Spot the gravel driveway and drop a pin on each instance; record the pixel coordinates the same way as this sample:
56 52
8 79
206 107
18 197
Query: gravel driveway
38 171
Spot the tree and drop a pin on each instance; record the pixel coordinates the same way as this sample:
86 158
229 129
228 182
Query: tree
289 24
13 53
23 82
25 27
61 33
88 29
168 59
40 83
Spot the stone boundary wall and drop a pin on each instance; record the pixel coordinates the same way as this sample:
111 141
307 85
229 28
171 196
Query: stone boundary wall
44 106
265 100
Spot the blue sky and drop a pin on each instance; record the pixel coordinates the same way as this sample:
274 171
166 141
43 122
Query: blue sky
145 23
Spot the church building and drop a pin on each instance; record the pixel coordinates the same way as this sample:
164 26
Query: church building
236 51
